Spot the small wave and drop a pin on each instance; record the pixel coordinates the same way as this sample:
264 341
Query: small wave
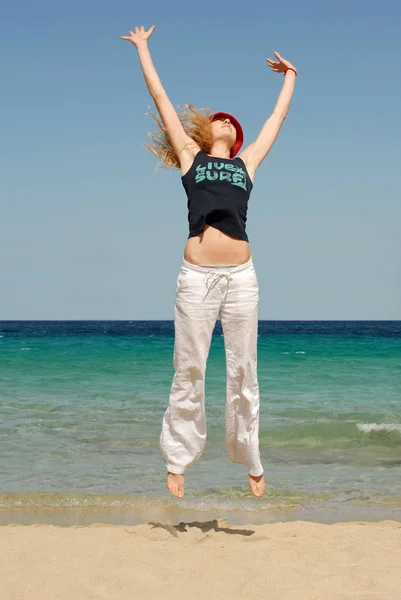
230 498
26 348
300 352
378 427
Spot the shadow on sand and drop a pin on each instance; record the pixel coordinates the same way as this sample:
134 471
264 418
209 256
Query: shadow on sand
205 527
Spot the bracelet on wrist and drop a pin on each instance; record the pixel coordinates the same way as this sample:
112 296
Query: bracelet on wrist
290 69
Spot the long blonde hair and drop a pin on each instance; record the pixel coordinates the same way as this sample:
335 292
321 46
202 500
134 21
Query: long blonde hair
196 123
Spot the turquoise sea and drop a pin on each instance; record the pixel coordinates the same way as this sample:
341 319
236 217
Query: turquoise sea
81 405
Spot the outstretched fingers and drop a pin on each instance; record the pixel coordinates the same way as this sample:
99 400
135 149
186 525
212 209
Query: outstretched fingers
273 64
139 34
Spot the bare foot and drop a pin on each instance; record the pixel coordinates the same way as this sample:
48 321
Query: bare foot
257 485
175 484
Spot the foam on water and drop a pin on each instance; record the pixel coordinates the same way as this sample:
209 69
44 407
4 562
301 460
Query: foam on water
379 427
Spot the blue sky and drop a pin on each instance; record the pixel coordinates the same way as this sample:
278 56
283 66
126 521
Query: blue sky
90 231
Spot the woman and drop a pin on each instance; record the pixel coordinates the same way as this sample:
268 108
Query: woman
217 279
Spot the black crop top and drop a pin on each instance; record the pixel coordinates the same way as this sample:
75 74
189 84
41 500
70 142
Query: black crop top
218 191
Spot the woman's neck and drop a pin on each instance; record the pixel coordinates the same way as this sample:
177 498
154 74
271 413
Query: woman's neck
220 151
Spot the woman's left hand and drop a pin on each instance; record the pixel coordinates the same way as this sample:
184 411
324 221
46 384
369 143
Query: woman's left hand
281 66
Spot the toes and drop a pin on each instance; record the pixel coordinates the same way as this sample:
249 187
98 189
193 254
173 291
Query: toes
173 488
257 491
180 488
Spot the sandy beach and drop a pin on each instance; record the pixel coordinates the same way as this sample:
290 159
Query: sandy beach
200 560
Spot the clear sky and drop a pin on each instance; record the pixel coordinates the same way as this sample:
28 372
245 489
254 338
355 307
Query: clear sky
90 231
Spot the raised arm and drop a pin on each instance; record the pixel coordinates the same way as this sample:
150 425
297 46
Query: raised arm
178 138
254 154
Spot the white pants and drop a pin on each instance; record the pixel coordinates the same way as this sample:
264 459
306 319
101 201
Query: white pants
204 294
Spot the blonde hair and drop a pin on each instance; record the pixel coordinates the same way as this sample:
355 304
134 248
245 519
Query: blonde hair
196 123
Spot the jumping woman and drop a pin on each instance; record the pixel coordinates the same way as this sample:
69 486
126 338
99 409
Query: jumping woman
217 278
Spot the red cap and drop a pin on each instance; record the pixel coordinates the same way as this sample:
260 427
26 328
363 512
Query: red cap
240 134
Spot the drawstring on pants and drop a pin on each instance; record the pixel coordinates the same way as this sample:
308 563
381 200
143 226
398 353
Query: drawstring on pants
213 277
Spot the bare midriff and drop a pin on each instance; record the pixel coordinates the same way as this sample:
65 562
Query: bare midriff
213 247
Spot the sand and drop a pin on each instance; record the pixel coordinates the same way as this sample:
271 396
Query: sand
202 560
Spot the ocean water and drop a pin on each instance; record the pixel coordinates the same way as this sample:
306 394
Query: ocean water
81 405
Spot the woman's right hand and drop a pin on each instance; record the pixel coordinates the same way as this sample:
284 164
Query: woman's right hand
140 36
